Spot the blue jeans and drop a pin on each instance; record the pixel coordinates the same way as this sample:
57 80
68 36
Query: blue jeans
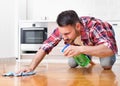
104 62
108 61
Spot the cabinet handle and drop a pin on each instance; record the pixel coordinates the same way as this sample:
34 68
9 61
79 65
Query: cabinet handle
114 24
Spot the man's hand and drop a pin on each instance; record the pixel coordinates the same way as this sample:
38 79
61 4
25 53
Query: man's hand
72 50
27 69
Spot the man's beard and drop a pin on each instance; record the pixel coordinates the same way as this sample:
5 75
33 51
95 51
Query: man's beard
71 41
68 41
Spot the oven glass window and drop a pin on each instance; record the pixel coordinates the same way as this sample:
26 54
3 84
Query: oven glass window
33 36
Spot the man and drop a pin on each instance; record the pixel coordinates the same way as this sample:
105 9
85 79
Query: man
95 37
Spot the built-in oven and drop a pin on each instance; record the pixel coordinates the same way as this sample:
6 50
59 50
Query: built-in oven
32 36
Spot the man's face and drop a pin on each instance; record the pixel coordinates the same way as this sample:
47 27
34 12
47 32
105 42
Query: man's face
69 33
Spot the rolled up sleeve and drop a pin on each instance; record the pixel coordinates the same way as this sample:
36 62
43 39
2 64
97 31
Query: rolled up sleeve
52 41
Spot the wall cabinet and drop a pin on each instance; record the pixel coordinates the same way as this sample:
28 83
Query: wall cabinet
49 9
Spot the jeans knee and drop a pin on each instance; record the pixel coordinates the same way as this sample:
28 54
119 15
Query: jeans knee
72 63
107 62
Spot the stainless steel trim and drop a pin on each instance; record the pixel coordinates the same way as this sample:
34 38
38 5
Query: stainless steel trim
33 28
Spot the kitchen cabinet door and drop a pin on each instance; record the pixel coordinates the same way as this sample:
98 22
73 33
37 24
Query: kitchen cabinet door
49 9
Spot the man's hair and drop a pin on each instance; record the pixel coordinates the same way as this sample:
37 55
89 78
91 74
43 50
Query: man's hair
68 17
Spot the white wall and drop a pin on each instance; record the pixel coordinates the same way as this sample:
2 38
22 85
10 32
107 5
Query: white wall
7 28
106 9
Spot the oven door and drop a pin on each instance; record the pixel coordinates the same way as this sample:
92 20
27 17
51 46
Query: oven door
33 35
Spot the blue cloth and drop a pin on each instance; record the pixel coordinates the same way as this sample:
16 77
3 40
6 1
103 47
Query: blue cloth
19 74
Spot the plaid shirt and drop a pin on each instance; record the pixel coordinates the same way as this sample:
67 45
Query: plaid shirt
94 32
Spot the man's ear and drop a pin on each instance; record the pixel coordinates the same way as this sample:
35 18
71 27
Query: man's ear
78 25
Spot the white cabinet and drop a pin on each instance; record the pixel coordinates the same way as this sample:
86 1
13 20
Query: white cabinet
49 9
116 27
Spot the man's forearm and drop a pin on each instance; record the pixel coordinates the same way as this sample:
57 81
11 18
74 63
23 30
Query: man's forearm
99 50
37 59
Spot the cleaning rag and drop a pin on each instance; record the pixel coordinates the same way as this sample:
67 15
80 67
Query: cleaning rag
19 74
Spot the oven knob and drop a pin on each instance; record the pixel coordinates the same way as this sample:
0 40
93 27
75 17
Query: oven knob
33 25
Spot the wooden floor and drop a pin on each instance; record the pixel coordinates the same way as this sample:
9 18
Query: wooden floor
61 75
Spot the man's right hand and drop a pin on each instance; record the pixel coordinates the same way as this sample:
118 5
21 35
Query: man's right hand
27 69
